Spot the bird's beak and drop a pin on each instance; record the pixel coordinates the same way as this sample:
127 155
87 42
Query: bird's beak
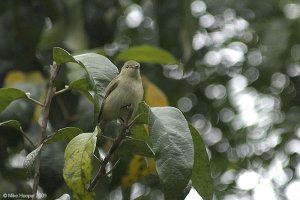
137 67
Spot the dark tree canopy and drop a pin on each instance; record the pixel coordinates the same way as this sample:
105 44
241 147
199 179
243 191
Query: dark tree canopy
236 81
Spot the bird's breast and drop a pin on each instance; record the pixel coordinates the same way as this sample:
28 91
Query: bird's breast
128 92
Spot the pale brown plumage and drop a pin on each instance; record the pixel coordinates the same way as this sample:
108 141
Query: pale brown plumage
123 95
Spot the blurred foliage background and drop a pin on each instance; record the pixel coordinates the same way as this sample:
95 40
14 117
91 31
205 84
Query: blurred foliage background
239 85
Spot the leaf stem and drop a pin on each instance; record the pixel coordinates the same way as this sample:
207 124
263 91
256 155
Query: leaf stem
35 101
27 138
99 159
45 116
62 90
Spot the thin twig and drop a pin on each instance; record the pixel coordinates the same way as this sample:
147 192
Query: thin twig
112 168
45 116
135 118
113 148
35 101
100 161
107 138
27 138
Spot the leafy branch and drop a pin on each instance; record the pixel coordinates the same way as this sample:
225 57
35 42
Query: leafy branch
102 170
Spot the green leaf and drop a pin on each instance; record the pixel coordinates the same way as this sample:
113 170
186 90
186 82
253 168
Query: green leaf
78 164
12 123
201 176
131 146
67 133
82 86
173 147
76 72
100 71
21 109
16 125
30 158
63 134
140 131
146 53
142 113
61 56
8 95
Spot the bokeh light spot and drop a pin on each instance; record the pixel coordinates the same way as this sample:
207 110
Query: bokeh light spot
134 16
247 180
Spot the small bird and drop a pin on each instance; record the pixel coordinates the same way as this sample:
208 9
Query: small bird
123 95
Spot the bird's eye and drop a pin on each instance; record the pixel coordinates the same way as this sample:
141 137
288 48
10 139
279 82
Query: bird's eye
127 67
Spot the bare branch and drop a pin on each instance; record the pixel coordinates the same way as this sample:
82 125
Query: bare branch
45 116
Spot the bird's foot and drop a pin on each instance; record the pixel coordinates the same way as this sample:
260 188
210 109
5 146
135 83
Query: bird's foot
127 110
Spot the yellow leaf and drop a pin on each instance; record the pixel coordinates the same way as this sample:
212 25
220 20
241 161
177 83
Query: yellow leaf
139 168
13 77
78 164
153 95
17 76
38 109
35 77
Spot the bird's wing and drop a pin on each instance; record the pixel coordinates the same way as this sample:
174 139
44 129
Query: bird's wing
111 86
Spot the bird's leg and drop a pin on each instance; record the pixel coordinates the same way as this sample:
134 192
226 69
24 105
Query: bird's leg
128 111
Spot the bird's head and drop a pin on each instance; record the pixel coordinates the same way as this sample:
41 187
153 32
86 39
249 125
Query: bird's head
131 68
